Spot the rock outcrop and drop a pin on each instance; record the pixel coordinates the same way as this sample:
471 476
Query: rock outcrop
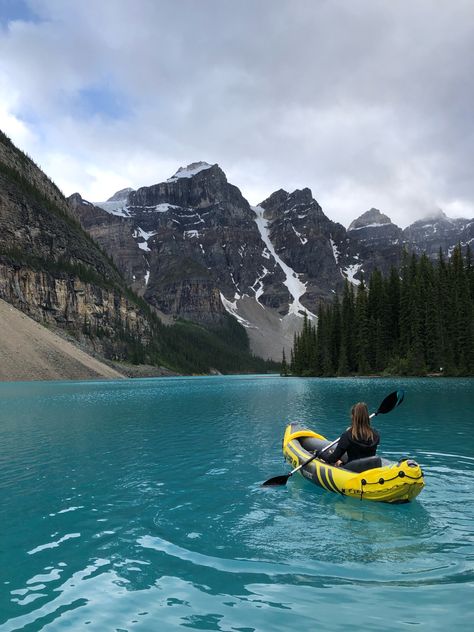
438 232
375 242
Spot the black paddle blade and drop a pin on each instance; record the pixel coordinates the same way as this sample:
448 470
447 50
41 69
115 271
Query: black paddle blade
390 402
276 480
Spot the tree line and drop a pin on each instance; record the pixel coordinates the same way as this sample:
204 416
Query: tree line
414 321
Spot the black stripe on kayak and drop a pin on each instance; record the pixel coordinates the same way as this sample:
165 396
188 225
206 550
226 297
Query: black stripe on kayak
331 478
316 478
324 478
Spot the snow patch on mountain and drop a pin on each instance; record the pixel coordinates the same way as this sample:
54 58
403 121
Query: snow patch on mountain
165 207
116 207
296 288
231 308
259 290
139 233
190 234
303 240
335 250
189 171
350 273
373 225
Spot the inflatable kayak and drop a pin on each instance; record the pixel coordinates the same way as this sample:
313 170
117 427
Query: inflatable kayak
372 478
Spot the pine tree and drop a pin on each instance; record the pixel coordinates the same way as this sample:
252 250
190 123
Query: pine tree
362 340
284 366
462 313
393 313
320 342
346 353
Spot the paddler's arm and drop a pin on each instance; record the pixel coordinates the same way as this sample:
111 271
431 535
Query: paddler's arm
339 450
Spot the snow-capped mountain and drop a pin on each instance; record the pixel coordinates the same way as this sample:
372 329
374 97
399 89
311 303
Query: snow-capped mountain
194 248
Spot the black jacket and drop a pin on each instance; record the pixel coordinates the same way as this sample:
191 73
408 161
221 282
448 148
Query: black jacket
356 449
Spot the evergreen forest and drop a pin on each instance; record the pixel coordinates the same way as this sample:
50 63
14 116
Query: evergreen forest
418 320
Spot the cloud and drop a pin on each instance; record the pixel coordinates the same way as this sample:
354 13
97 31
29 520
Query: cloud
367 103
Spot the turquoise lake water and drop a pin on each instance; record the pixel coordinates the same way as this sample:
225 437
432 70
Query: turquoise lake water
137 505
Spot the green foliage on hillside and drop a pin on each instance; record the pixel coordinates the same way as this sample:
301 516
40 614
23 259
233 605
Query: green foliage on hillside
25 159
415 321
32 192
186 347
59 266
192 348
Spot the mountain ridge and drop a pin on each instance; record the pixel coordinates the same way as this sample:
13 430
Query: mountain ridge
201 250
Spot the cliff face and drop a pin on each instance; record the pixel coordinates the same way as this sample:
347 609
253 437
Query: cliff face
375 242
308 242
114 233
50 268
66 301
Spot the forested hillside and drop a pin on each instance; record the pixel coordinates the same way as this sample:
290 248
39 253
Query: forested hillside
414 321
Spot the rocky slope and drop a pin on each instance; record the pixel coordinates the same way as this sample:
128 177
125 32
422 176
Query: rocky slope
29 351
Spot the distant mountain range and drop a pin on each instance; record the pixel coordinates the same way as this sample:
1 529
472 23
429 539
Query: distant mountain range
194 248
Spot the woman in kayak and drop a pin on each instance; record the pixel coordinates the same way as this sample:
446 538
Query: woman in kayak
359 441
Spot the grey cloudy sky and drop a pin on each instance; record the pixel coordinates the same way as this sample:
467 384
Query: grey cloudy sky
367 102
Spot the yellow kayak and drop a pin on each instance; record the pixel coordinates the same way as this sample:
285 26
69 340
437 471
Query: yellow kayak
372 478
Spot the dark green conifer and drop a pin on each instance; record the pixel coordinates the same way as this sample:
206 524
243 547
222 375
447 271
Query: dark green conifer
362 330
284 366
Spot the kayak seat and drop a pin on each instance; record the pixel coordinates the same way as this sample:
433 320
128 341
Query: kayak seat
361 465
311 444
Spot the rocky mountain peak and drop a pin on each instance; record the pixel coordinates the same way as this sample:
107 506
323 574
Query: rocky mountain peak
76 199
370 219
301 196
191 170
199 185
121 195
432 217
283 202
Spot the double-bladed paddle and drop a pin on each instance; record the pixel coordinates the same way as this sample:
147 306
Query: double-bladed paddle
389 403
